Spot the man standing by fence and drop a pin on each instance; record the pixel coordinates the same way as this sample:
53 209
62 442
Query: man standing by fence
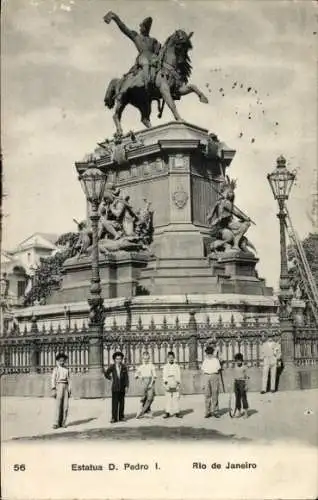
61 390
118 374
171 377
211 368
146 373
271 354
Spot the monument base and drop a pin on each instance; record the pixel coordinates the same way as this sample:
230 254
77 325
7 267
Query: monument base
119 274
222 273
237 273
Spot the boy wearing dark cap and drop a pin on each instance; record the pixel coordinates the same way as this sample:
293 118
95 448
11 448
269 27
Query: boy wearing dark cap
61 390
118 374
240 386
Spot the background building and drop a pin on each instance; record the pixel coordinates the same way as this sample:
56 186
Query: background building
30 250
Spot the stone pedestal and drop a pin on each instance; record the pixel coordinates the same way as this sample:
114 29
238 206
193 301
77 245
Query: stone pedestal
178 168
175 168
223 273
119 273
237 274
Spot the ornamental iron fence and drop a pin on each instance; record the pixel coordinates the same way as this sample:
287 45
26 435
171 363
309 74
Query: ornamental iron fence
35 350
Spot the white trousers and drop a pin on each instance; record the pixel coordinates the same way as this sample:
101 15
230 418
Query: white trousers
269 369
172 402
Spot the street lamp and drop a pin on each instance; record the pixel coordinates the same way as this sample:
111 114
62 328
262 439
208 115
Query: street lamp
281 181
93 182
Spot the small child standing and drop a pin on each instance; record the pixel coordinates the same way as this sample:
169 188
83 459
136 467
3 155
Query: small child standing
146 372
211 368
240 386
61 390
172 379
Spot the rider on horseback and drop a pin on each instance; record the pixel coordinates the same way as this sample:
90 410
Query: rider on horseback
147 46
160 74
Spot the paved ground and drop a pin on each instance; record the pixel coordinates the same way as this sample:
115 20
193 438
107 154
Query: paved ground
280 416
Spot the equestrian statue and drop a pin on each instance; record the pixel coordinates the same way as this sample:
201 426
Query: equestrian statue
160 73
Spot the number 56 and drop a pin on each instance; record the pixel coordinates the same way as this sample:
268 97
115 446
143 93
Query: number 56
18 467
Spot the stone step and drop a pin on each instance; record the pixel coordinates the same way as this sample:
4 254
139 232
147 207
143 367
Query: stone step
177 272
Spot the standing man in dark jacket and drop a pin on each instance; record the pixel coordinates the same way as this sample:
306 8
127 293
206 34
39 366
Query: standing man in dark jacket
118 374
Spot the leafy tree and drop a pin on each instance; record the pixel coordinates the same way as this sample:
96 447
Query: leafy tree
310 246
48 275
67 239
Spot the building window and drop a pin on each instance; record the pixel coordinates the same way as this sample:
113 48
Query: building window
21 288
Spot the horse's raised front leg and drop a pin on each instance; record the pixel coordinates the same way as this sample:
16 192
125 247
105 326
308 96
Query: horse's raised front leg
189 89
166 96
120 106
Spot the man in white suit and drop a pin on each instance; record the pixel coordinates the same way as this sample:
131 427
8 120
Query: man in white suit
271 355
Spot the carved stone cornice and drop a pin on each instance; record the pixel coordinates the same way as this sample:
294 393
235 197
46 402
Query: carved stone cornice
179 144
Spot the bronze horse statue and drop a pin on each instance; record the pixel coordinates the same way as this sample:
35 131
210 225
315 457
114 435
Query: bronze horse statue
168 80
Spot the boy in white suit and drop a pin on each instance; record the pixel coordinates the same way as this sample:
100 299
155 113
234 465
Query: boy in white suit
172 380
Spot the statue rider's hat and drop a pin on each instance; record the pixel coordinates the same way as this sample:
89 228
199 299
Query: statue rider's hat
146 23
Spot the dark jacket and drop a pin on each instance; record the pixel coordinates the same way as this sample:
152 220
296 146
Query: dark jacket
118 384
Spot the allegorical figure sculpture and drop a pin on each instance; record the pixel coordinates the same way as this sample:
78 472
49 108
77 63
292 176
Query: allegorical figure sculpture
121 227
111 213
228 223
160 73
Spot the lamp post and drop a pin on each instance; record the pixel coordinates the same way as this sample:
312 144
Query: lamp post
281 181
93 182
4 287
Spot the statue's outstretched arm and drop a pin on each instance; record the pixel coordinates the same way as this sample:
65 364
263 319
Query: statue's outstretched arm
240 215
122 26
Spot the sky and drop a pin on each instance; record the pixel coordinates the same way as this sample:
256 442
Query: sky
255 60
